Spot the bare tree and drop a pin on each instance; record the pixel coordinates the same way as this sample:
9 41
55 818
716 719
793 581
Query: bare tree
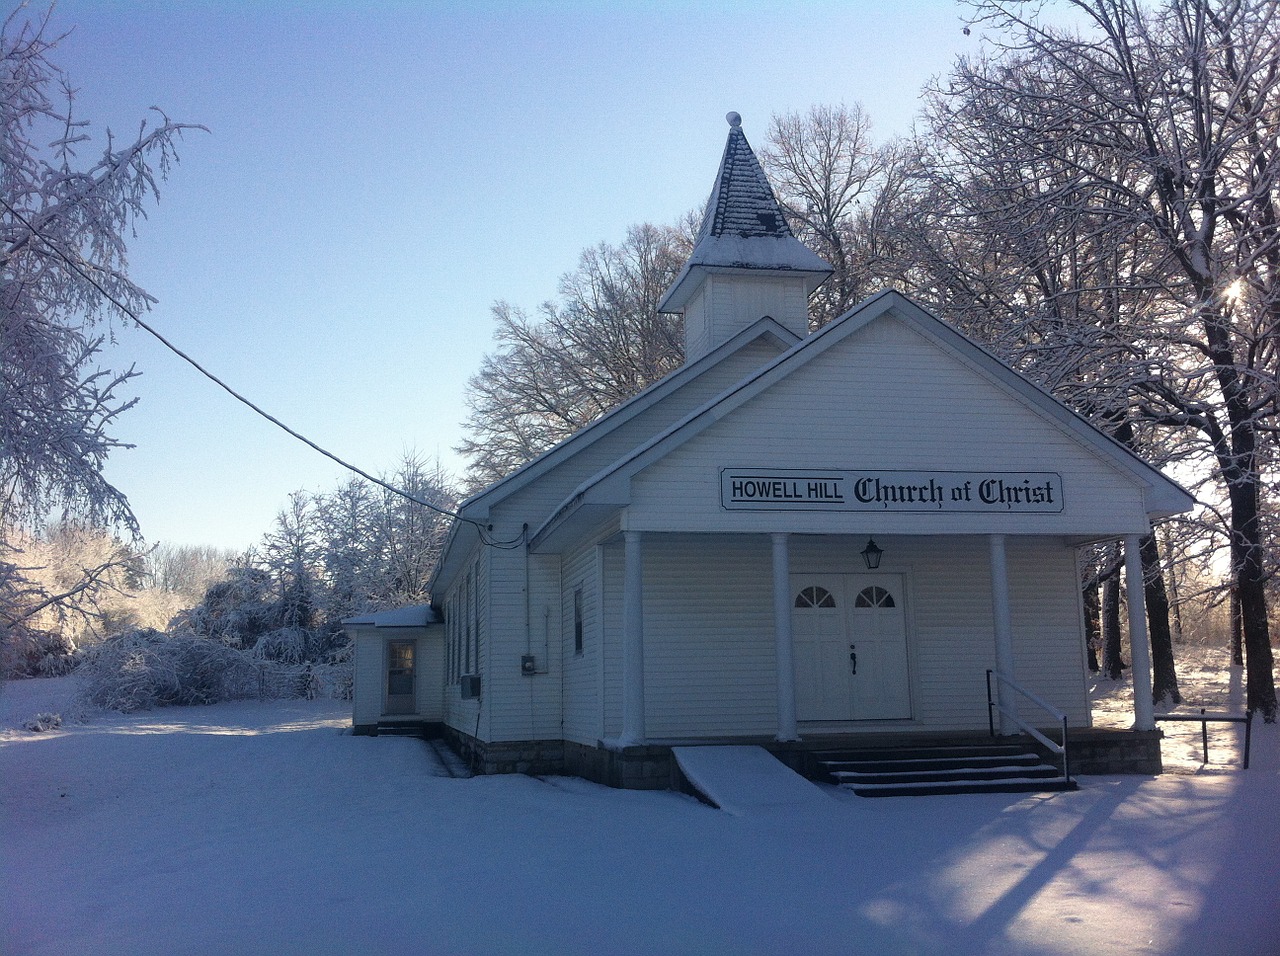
186 570
828 173
602 343
1112 206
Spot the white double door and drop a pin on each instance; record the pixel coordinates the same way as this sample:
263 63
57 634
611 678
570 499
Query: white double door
850 639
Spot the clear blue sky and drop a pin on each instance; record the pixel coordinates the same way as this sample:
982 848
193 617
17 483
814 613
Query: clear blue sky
377 175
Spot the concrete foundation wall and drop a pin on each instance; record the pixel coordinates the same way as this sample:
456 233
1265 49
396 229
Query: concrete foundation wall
653 767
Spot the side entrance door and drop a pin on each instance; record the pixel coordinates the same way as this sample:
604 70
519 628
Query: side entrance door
401 698
850 647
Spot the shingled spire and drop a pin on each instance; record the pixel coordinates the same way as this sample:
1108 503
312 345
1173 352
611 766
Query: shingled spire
745 252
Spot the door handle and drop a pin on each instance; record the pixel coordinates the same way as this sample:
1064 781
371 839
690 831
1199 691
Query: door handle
853 662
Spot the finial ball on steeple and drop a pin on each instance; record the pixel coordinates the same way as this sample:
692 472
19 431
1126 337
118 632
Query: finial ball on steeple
734 119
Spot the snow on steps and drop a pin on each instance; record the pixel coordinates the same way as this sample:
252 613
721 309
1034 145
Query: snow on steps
920 771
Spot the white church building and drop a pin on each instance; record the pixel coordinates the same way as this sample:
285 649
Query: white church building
796 538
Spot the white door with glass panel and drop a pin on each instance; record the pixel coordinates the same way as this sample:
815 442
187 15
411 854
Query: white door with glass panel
850 639
401 698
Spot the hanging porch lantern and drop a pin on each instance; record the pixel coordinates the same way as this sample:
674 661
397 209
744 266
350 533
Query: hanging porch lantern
872 554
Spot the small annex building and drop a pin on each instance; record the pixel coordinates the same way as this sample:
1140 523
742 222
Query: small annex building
792 537
397 667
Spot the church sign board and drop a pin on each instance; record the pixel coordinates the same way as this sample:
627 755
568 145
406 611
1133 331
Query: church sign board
1022 492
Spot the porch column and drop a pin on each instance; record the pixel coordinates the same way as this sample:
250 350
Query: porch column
1139 646
632 641
1004 631
782 639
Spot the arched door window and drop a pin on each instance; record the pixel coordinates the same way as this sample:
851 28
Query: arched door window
815 597
873 597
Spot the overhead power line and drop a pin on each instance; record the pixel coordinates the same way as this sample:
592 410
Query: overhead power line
244 400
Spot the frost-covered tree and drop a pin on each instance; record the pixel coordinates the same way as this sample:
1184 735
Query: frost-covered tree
75 585
562 368
63 276
406 538
1101 202
329 557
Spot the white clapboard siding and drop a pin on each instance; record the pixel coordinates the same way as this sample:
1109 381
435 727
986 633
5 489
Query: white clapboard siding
519 706
710 659
367 675
537 501
611 572
725 304
1048 640
582 714
952 626
886 398
466 715
429 673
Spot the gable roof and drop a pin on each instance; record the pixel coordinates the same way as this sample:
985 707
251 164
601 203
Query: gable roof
463 534
607 488
531 470
743 227
417 615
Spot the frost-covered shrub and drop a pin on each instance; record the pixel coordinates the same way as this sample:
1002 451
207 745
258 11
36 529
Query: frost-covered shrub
42 722
289 645
145 668
341 671
235 611
58 662
29 652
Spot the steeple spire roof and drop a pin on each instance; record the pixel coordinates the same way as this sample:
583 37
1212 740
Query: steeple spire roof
743 227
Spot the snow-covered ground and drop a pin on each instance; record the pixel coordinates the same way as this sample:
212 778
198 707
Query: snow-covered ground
267 828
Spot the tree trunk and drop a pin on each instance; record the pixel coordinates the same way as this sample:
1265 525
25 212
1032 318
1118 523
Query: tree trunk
1164 675
1237 632
1112 665
1260 687
1175 599
1092 637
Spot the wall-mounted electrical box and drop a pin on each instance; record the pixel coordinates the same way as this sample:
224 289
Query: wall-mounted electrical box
528 665
470 686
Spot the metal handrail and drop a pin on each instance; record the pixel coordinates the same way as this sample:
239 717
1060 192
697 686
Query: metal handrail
1206 719
1052 711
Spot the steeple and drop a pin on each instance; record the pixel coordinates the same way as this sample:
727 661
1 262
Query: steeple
745 261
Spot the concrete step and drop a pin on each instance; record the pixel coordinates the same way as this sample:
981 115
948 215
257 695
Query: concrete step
1007 785
921 771
922 752
398 729
1007 772
892 764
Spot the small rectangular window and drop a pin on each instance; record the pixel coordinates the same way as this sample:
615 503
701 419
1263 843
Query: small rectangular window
577 621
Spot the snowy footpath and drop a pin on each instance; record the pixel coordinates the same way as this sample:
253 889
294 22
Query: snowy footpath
267 828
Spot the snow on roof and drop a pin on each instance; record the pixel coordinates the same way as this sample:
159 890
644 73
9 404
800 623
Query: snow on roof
743 227
417 615
742 202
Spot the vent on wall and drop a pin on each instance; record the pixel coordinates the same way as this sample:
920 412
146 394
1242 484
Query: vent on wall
470 686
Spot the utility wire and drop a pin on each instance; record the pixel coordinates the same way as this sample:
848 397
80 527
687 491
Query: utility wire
106 294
